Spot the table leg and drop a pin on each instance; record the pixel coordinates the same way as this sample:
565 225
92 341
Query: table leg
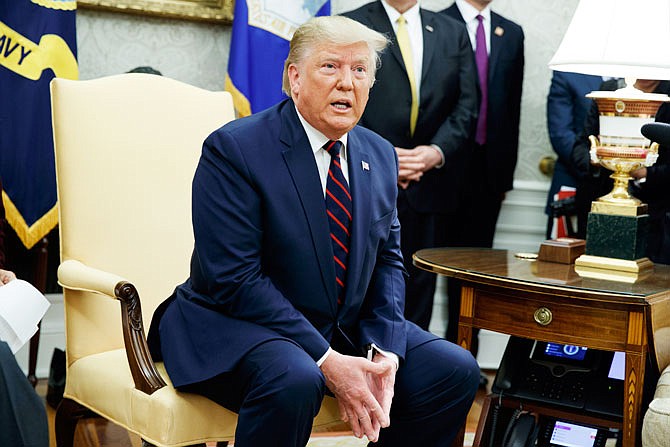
632 414
465 318
464 339
635 364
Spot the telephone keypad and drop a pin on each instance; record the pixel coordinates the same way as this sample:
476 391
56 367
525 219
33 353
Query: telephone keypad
540 384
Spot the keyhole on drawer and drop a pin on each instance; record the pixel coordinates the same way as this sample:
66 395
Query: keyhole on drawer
543 316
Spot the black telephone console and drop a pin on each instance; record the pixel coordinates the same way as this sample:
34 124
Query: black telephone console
563 375
561 433
521 431
526 429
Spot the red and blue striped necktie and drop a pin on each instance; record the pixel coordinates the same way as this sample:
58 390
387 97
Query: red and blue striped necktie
339 209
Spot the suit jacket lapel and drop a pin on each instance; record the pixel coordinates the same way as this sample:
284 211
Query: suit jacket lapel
454 12
359 184
299 159
380 22
429 45
496 44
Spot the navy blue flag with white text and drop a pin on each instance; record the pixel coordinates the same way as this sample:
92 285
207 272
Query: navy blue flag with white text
37 43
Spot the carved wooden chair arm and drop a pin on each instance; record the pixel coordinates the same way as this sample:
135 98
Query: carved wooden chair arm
75 275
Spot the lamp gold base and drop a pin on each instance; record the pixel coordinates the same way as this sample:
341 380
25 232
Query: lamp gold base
613 269
618 209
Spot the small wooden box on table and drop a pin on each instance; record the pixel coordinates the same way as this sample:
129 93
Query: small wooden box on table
505 294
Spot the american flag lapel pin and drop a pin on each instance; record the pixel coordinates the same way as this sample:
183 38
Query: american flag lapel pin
365 165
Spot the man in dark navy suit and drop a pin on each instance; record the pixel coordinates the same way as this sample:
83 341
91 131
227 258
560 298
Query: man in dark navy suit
297 281
498 48
424 102
567 106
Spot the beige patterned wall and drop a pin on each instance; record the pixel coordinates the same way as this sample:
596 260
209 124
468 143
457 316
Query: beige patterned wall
197 53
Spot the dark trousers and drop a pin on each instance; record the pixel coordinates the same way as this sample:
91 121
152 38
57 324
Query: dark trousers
23 416
474 227
419 231
277 391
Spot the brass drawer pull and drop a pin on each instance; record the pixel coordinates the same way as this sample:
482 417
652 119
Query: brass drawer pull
543 316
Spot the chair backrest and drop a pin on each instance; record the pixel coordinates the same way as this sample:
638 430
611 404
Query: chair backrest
126 151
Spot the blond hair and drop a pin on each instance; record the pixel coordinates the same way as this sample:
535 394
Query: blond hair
336 30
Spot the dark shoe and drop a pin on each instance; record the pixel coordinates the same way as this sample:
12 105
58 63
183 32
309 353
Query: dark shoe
483 381
56 384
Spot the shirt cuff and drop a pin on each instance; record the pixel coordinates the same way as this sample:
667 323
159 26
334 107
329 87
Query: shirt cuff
394 357
324 357
439 151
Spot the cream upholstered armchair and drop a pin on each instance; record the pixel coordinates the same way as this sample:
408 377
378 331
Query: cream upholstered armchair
126 150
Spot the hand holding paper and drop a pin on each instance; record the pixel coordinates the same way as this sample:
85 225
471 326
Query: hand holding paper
22 306
6 276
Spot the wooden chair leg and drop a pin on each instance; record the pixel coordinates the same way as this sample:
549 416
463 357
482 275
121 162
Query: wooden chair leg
68 414
40 283
32 356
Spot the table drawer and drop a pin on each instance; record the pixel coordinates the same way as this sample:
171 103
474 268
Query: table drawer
542 318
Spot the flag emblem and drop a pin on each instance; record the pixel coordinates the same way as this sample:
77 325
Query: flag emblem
259 45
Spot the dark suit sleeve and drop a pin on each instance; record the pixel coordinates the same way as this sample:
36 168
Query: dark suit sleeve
454 132
229 234
658 176
560 106
517 83
580 156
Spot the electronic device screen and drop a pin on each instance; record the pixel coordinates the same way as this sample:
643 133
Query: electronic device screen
566 434
565 351
557 353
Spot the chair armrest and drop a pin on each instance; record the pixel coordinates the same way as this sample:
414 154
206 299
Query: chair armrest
75 275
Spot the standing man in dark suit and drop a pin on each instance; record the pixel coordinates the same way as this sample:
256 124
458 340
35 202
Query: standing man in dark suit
567 105
497 45
297 281
500 61
424 102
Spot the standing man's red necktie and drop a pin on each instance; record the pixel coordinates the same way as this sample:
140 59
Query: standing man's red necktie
338 207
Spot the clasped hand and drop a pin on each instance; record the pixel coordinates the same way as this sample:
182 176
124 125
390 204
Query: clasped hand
414 162
364 391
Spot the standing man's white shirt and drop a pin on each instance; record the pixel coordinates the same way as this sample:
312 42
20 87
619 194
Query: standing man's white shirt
415 31
470 14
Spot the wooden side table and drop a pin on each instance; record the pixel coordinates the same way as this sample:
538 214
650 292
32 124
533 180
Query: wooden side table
550 302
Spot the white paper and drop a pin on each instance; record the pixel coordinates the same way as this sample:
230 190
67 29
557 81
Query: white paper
22 307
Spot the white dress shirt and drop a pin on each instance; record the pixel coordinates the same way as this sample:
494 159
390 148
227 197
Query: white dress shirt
470 14
317 141
415 32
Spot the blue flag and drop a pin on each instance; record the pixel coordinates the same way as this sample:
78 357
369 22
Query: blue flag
262 30
37 43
